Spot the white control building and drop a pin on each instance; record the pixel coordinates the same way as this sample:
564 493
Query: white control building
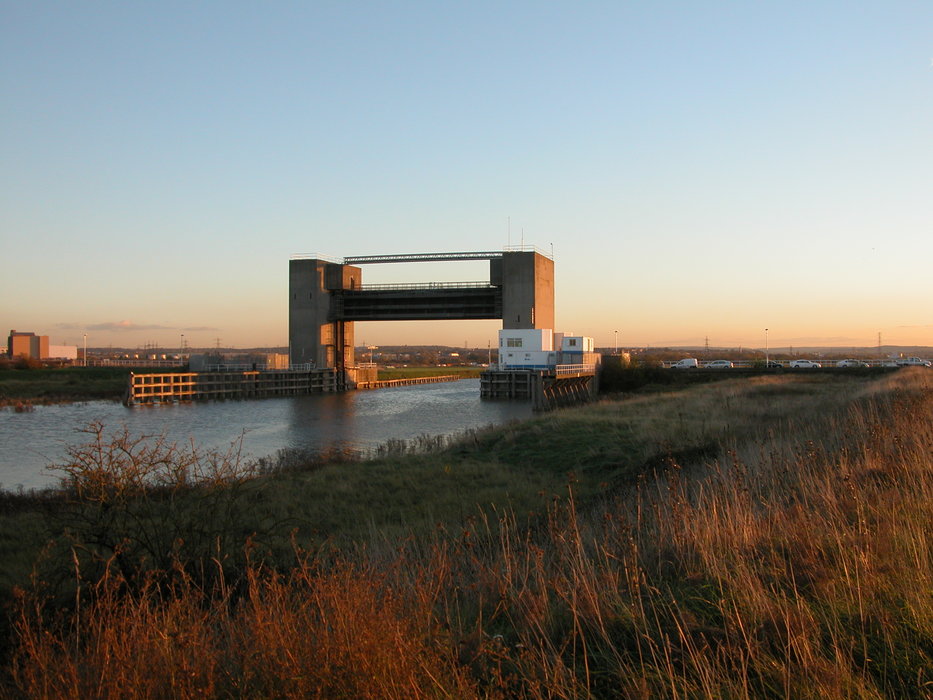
542 349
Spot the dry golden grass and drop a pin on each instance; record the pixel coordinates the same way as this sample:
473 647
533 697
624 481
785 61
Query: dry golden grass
796 564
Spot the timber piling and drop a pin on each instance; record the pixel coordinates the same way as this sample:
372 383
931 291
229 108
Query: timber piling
175 387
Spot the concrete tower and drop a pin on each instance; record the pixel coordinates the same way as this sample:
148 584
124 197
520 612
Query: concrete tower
315 332
527 283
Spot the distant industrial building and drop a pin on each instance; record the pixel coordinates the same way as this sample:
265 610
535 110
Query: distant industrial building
220 362
37 347
27 345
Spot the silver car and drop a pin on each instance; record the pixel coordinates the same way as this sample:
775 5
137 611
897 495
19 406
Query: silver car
720 364
804 364
851 363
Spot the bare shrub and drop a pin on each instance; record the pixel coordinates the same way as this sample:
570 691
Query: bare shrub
144 503
26 362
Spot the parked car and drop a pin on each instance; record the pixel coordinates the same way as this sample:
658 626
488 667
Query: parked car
686 363
774 364
913 362
851 363
804 364
719 364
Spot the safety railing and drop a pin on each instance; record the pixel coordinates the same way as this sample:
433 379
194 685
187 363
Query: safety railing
574 369
558 370
774 364
528 249
317 256
405 286
105 362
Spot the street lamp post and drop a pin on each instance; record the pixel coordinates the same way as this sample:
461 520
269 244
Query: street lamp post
766 348
181 351
617 342
85 349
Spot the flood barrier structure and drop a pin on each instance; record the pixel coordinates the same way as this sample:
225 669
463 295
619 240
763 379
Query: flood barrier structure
327 297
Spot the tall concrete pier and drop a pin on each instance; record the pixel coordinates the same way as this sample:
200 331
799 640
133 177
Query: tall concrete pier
316 334
326 297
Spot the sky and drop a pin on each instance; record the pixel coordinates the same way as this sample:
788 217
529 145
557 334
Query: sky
698 170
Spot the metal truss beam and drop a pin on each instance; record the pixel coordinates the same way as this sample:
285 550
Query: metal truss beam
420 257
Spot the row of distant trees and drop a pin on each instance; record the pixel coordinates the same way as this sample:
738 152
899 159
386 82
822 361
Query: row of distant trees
428 356
749 354
435 355
26 362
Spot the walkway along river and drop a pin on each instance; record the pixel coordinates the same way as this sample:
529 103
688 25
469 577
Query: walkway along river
359 420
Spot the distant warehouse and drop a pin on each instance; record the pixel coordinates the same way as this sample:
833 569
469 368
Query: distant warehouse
32 346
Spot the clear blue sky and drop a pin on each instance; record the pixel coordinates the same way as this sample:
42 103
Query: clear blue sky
700 168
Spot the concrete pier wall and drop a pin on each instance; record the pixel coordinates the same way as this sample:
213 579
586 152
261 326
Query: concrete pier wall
315 333
546 389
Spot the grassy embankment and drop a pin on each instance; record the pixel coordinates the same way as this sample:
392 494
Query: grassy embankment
411 372
25 387
765 537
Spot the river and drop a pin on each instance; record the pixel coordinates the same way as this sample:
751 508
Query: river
356 420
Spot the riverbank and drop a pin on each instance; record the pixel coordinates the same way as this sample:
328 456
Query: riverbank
20 389
753 537
42 386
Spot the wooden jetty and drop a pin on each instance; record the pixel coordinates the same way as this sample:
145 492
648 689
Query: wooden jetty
171 387
408 381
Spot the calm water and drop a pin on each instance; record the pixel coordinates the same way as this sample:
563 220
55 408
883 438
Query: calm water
358 420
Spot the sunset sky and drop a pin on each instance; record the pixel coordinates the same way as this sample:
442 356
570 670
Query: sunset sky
699 169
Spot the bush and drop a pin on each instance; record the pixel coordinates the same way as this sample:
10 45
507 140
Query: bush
25 362
143 503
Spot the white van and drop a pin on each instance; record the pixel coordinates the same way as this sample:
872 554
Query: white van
686 363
